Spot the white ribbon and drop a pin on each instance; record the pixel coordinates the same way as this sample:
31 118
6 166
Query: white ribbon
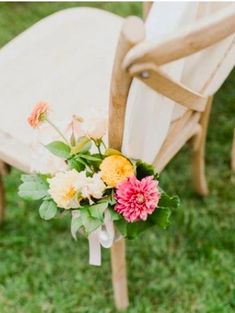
102 236
94 248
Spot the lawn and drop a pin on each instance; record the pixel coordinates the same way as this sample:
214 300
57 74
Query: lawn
189 268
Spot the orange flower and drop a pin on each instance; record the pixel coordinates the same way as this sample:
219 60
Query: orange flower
115 169
38 114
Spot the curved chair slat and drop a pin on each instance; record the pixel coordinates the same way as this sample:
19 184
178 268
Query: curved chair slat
176 141
203 34
155 78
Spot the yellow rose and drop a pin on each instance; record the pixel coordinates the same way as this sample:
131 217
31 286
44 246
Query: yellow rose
115 169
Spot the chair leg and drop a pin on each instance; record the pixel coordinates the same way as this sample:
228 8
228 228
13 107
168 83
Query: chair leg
233 153
2 200
119 275
199 176
4 170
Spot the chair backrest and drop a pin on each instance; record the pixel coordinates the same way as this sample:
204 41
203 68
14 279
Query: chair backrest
202 34
143 60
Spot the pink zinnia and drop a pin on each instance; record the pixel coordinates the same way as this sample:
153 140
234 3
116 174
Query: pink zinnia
38 114
137 198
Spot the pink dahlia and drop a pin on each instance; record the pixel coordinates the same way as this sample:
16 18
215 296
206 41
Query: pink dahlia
137 198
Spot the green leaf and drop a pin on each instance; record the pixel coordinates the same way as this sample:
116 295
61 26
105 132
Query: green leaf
76 224
89 157
75 163
144 169
135 228
112 200
83 145
89 223
121 226
47 210
114 215
93 160
168 202
59 149
161 217
34 187
81 160
97 210
111 151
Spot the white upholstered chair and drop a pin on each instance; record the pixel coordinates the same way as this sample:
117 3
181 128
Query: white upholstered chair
163 75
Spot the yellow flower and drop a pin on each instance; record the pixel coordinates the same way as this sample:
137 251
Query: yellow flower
115 169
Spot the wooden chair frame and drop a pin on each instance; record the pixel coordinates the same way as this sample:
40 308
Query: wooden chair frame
142 63
233 153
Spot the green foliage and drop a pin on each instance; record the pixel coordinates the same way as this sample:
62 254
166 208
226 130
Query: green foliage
111 151
160 217
34 187
90 217
47 210
144 169
82 146
114 215
90 223
76 224
167 201
59 149
97 210
76 163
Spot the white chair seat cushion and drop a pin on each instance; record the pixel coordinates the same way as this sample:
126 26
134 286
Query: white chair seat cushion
65 59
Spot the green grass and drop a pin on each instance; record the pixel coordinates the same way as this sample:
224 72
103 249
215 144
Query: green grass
189 268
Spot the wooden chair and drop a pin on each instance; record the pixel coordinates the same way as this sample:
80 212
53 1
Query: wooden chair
233 153
143 63
134 58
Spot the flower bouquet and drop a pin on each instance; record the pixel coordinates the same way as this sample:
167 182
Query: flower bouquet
106 194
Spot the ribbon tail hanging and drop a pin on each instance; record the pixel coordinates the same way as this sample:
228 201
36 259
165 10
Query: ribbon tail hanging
94 248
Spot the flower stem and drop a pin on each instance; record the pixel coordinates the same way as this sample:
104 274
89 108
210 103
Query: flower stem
98 147
97 144
57 129
104 145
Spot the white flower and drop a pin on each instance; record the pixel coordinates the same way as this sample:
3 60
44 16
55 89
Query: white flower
83 185
91 186
97 186
95 124
69 187
44 162
63 188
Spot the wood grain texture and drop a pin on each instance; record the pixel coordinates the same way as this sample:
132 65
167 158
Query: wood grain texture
198 161
203 33
4 168
155 78
233 153
2 200
132 32
179 134
119 274
146 8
